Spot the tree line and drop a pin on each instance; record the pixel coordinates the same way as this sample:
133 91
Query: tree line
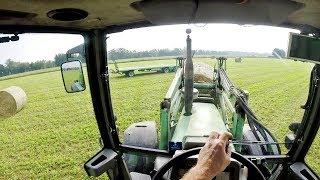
14 67
122 53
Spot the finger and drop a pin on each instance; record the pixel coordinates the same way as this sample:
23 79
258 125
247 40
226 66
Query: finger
226 136
227 145
208 144
220 146
228 160
228 156
214 135
210 141
215 144
229 151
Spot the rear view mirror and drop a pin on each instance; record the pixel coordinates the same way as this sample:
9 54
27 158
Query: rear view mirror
72 76
304 48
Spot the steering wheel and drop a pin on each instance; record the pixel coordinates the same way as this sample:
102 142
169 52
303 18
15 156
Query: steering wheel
254 172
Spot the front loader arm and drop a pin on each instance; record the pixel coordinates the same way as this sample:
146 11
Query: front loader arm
238 98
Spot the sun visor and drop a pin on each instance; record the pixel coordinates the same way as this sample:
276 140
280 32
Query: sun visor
248 12
271 12
167 11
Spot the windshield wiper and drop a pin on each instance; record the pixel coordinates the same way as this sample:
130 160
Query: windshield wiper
6 39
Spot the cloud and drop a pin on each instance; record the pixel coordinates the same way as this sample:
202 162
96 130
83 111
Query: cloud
2 61
220 37
33 47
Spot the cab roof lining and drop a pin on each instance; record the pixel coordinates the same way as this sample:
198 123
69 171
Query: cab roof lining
102 14
205 11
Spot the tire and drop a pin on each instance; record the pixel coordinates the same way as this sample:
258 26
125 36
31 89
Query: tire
142 134
130 73
165 70
255 149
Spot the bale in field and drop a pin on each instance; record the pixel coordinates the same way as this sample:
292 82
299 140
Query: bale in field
203 73
238 59
12 100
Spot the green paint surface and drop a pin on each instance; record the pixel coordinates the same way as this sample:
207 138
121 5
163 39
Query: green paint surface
205 118
164 131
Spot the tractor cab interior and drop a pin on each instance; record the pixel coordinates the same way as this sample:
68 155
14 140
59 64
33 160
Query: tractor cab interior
199 91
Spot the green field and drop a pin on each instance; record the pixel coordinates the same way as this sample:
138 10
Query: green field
56 132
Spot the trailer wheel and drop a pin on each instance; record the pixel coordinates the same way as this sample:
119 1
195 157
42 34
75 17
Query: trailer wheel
165 69
130 74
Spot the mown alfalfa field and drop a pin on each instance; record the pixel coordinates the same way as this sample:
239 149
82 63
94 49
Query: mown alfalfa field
56 132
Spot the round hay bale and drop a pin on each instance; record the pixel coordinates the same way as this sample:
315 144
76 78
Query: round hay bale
12 100
203 73
238 59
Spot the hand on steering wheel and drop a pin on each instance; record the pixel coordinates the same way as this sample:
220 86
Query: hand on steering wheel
213 158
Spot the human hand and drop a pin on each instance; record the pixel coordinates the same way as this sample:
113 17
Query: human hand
213 158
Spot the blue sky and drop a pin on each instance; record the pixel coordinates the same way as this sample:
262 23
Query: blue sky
220 37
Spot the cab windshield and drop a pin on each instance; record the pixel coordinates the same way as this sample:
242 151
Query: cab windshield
144 62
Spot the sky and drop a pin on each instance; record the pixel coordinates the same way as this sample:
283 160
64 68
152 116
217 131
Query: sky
219 37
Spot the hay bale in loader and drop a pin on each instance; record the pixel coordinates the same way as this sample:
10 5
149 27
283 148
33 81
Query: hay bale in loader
203 73
12 100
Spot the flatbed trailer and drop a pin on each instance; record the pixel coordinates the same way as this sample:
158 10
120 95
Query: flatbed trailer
131 71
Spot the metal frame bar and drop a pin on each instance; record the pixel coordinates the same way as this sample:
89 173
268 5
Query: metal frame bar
144 151
310 123
95 48
269 158
97 75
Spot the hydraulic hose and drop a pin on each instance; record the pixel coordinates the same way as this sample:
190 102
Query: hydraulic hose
253 122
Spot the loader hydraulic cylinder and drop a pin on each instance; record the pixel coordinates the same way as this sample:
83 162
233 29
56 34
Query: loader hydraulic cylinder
188 79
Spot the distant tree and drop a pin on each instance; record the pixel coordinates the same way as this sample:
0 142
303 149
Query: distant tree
278 53
14 67
10 64
3 70
22 67
59 59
